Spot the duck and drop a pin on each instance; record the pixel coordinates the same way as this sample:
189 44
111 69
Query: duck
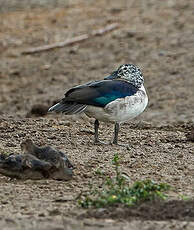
117 98
36 163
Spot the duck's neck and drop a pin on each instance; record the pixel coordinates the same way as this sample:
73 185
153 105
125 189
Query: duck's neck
31 149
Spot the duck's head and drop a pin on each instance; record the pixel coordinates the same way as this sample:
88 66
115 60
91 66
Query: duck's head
128 72
27 146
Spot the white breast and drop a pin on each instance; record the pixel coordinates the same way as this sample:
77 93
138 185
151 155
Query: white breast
122 109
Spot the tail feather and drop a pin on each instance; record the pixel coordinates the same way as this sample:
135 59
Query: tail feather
57 108
68 108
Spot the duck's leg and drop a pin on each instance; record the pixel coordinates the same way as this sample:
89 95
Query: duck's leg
116 133
96 126
96 138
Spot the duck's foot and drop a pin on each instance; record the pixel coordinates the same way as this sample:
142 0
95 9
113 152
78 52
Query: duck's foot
121 145
98 142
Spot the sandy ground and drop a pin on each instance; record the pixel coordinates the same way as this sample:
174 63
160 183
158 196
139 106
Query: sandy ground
155 35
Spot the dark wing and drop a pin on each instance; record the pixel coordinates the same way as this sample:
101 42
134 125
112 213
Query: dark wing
11 166
99 93
48 154
12 162
96 93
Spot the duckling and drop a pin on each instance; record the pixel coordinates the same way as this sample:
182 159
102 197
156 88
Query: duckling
61 166
36 163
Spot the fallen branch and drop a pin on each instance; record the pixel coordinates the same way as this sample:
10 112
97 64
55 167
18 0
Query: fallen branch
71 40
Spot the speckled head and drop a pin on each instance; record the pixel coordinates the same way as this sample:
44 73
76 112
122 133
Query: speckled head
130 73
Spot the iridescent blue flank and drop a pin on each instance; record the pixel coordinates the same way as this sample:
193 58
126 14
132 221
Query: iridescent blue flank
120 90
100 93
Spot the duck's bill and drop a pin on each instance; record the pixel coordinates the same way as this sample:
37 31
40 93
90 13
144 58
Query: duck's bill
112 76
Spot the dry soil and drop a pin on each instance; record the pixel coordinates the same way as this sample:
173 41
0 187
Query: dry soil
157 36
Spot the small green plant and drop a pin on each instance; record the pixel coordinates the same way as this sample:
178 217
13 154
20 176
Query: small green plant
117 190
99 172
184 197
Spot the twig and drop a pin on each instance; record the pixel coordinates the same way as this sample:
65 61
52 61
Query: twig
105 29
71 40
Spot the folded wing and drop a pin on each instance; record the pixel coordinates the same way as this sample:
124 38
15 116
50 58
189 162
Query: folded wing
97 93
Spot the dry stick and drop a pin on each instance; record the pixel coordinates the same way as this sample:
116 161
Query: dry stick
71 40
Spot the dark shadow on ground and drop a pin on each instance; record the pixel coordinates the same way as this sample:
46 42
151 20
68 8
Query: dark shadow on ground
160 211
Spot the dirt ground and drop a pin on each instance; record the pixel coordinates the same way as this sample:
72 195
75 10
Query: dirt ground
157 36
